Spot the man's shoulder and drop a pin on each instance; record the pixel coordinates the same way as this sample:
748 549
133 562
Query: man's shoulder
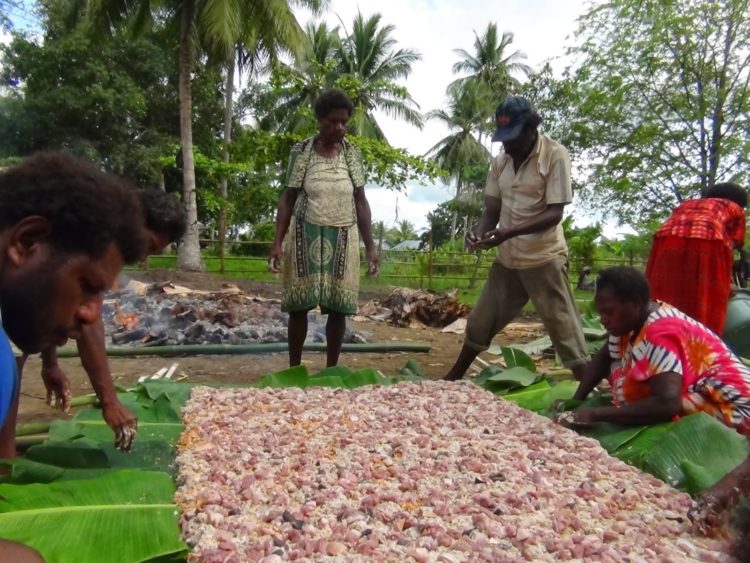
498 162
552 147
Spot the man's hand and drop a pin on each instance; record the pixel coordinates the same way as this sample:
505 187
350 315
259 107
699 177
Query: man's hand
471 238
493 238
373 262
274 261
579 418
122 422
58 388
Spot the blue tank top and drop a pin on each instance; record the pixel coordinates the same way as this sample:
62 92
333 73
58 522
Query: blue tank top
8 376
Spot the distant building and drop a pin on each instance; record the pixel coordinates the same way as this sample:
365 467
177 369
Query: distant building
407 245
385 246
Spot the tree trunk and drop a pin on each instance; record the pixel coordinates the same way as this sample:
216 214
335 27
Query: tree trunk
454 221
189 253
228 113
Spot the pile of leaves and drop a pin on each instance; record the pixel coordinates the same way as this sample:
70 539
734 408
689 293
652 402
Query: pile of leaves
407 307
75 498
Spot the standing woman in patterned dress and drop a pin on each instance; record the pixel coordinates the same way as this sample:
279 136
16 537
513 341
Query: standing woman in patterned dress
690 263
320 216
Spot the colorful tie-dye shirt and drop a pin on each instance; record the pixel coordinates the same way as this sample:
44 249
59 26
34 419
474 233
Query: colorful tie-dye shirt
714 380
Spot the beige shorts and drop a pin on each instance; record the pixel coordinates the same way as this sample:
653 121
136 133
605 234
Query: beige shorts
508 290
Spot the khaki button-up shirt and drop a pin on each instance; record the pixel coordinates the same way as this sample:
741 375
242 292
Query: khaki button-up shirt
543 179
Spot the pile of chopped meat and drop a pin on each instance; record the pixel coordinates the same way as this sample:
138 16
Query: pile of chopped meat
432 471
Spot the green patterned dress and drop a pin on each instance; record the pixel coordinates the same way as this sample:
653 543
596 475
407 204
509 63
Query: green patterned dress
321 247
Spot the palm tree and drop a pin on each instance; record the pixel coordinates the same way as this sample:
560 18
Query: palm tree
309 74
460 150
404 230
491 65
373 66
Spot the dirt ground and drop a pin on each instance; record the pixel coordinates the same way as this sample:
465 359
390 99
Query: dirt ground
250 368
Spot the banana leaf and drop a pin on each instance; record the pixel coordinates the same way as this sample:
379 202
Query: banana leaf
24 470
515 358
700 444
638 447
515 377
535 346
527 396
612 437
64 430
292 377
501 381
84 453
123 517
176 394
147 410
412 368
334 371
540 401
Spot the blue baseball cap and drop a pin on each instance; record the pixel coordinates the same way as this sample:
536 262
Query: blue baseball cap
510 117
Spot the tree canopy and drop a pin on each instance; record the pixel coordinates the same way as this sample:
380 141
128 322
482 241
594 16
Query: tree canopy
662 104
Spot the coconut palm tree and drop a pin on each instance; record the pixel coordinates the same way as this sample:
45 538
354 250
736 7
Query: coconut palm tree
458 151
373 66
305 79
403 230
491 64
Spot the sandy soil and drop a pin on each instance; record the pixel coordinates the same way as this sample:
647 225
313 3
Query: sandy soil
247 369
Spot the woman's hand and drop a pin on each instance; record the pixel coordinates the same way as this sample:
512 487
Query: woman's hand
580 418
708 512
373 262
274 261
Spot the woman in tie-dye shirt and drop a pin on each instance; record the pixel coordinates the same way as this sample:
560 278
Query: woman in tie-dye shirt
660 363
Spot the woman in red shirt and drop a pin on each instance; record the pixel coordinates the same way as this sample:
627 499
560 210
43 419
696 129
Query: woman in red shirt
690 264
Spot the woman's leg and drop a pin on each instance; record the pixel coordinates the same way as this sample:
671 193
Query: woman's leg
335 328
297 332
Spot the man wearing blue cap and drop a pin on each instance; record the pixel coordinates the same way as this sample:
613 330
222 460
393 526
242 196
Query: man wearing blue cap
528 186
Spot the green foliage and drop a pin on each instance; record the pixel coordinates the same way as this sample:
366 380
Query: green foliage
123 517
582 241
695 453
661 101
113 101
366 64
491 66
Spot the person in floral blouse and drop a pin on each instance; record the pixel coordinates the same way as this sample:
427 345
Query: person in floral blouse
321 215
661 364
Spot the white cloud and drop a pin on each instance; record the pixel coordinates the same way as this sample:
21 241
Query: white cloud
413 203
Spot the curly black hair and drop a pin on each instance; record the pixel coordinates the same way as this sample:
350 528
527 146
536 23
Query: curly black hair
163 214
87 209
331 100
728 190
628 284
